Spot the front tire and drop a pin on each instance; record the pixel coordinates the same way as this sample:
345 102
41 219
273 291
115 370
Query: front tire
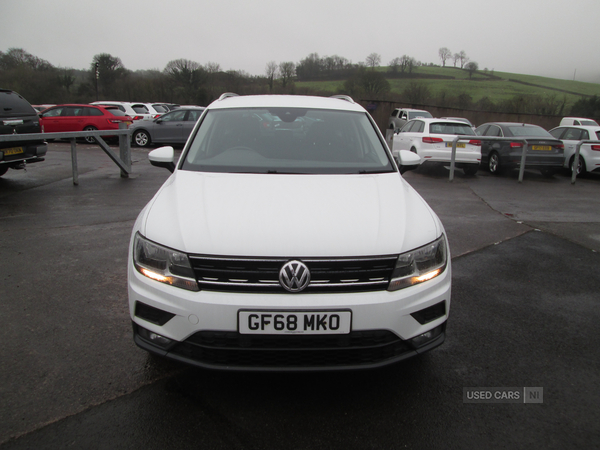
3 169
142 138
471 169
90 139
548 172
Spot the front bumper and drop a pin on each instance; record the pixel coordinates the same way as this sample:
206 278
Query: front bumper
201 328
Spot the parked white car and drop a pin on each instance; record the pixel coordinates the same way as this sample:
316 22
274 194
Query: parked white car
400 116
137 111
589 154
431 139
577 121
297 247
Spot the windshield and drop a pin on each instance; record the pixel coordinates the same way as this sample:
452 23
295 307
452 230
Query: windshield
415 114
530 131
286 140
450 128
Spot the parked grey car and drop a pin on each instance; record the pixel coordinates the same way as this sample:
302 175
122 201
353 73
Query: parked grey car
173 127
544 152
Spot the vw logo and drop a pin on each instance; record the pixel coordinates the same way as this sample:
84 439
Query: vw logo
294 276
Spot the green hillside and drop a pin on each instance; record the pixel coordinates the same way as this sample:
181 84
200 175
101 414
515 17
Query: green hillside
496 86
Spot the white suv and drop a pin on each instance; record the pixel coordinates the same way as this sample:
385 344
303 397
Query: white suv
287 239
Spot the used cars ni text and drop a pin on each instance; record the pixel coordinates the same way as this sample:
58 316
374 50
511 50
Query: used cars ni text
287 248
431 139
544 152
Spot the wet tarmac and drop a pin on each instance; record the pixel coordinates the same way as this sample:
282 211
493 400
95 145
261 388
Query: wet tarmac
524 313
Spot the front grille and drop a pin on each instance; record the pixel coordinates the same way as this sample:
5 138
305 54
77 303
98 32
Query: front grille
262 275
232 349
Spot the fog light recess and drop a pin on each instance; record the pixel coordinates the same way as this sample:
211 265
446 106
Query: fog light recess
425 338
154 338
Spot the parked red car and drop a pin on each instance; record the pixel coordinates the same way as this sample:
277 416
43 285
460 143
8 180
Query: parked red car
63 118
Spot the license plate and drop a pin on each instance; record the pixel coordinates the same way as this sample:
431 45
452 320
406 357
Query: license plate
541 147
296 322
458 144
12 151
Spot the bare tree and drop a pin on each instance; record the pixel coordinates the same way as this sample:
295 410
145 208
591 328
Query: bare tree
445 54
287 70
213 67
462 56
456 57
373 60
271 72
395 64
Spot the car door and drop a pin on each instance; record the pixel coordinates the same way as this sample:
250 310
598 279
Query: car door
51 119
401 141
487 146
571 138
189 123
169 127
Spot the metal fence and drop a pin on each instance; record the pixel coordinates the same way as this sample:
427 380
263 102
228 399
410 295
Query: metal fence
390 139
122 160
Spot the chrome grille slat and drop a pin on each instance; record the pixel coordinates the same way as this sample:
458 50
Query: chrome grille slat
230 274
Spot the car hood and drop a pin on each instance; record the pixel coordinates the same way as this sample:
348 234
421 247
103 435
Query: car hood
288 215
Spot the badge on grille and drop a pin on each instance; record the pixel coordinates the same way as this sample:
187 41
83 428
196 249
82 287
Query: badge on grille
294 276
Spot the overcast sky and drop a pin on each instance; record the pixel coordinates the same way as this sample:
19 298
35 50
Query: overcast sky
554 38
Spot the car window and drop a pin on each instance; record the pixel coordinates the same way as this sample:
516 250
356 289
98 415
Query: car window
557 132
572 134
418 127
176 116
92 112
415 114
140 109
407 127
528 130
395 113
308 141
493 130
71 111
160 108
461 129
598 134
481 130
14 105
589 123
194 115
54 112
115 111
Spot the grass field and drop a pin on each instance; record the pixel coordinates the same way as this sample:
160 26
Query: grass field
497 88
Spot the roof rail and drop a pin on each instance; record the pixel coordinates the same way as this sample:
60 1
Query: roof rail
344 97
227 95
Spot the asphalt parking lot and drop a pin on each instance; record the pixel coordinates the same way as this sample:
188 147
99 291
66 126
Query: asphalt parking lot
524 314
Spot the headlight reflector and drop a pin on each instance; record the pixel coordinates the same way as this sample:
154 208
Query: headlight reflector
163 264
419 265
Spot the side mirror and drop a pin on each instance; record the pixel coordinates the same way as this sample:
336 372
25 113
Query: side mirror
406 160
163 157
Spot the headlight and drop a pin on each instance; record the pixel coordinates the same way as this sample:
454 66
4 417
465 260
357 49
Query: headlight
163 264
420 265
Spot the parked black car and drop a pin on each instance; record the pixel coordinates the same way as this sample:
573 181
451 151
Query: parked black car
17 116
544 152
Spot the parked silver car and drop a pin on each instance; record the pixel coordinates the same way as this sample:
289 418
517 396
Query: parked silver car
173 127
